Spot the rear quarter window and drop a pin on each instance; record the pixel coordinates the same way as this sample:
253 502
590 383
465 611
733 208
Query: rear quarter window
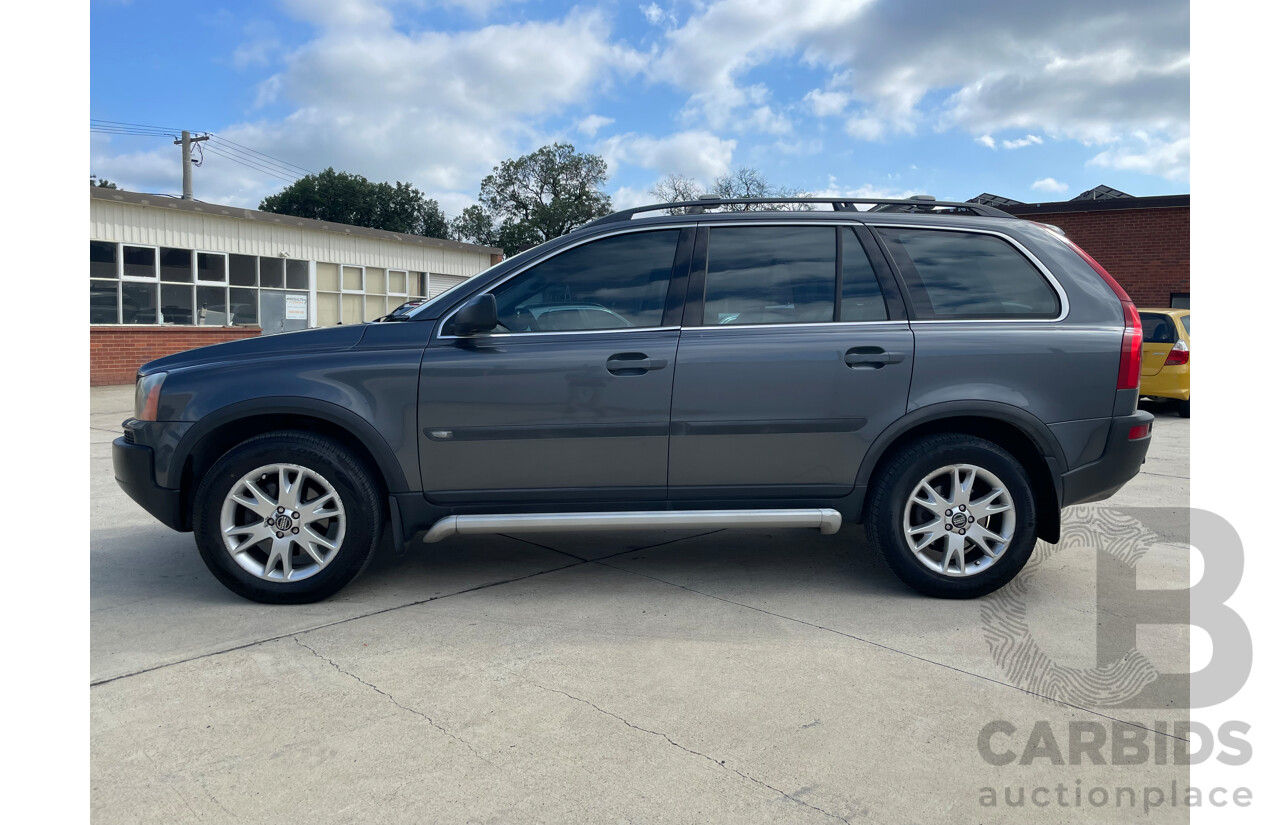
1158 328
956 275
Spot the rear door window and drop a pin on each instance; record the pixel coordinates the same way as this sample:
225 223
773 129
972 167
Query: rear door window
770 275
954 275
860 295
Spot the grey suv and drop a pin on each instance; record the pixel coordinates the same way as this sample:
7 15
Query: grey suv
945 374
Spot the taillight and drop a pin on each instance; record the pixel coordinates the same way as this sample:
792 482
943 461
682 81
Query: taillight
1131 347
1140 431
1180 354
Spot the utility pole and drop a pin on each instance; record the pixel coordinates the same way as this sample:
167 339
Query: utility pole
186 142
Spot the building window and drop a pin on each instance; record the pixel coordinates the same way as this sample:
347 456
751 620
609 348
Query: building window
133 284
1180 300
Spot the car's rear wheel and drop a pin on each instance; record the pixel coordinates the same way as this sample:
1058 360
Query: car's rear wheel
287 517
953 516
1184 408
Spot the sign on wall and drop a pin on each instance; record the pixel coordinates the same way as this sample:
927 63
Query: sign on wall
295 307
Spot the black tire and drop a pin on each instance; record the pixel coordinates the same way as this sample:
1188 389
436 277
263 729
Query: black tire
1184 408
352 480
897 479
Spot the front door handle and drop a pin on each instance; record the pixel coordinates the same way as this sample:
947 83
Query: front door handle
633 363
871 357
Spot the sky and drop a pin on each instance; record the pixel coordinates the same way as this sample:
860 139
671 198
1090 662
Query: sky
872 98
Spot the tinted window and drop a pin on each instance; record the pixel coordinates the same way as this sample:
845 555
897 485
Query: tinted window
139 262
952 275
103 303
210 267
860 297
611 283
770 275
102 260
271 272
244 270
1186 323
175 265
1158 328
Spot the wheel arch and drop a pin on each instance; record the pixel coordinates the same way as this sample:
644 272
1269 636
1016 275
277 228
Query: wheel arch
1027 438
221 430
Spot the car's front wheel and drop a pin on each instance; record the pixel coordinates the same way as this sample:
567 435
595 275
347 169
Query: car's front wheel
287 518
953 516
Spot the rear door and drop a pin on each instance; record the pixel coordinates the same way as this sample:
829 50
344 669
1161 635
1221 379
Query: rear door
1159 334
795 355
570 399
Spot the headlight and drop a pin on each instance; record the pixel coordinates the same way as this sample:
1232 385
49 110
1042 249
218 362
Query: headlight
146 396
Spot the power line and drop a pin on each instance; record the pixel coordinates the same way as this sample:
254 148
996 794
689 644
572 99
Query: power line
292 171
229 149
262 154
249 164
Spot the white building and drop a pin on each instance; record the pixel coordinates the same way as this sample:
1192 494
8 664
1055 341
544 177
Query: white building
160 266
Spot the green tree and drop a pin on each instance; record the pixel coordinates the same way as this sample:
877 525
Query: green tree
544 195
474 225
101 183
342 197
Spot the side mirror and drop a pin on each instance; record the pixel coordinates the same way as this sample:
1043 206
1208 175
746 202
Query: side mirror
478 314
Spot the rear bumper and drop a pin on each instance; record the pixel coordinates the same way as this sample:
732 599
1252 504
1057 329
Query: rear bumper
1169 382
1121 460
134 469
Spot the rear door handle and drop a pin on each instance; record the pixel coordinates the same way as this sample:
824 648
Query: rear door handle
633 363
871 357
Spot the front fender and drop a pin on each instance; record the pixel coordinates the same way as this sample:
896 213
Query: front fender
372 394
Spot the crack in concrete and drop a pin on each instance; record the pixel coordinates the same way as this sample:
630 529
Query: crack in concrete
433 723
720 763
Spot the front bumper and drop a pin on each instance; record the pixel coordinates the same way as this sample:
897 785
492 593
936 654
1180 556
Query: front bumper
1121 460
135 473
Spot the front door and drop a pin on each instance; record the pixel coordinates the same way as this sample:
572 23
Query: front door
794 366
569 400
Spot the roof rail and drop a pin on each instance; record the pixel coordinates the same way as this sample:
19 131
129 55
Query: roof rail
922 204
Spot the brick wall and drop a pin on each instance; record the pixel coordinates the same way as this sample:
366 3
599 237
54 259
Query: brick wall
115 353
1147 250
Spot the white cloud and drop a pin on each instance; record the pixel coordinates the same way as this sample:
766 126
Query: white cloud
1049 185
765 119
1170 159
826 104
627 197
1090 71
867 190
438 109
591 124
657 15
708 54
987 141
696 154
1029 140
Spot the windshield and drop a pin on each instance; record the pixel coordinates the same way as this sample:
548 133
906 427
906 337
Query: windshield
528 253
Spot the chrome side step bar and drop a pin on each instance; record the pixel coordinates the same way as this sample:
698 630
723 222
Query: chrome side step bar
826 520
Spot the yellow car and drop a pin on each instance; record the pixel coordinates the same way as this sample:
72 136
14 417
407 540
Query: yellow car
1166 356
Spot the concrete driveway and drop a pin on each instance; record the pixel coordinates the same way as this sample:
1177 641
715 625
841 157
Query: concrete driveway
725 677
